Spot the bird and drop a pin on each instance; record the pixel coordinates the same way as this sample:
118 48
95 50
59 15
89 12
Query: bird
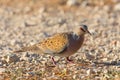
62 44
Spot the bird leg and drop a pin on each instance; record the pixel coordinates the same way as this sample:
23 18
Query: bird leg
53 60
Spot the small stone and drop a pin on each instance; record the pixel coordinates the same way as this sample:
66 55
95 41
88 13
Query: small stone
26 55
27 9
41 10
89 71
74 76
117 7
61 21
71 2
2 70
30 74
30 23
12 58
25 58
104 59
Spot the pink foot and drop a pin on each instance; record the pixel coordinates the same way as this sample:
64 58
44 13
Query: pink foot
69 60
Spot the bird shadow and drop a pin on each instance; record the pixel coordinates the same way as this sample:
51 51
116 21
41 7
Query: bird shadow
113 63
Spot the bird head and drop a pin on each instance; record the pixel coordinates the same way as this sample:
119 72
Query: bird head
81 30
84 29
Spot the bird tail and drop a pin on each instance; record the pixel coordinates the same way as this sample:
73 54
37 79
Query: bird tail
32 48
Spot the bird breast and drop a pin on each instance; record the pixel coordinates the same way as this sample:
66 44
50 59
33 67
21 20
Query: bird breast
75 43
73 47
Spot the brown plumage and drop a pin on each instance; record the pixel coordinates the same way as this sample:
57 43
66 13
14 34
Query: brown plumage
60 44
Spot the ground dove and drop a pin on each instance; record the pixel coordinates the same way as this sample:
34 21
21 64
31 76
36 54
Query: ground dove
61 44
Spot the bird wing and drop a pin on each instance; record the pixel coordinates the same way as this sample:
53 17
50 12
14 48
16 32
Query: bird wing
55 44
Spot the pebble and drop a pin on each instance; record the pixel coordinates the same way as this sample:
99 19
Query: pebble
2 70
71 2
117 7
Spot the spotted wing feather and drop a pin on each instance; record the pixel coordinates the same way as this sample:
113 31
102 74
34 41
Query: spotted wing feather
55 44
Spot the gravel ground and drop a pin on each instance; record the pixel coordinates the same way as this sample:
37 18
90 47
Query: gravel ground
30 21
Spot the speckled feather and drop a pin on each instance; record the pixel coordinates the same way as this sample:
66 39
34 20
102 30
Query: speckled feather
54 44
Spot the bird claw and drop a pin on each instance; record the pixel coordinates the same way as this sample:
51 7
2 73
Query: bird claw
69 60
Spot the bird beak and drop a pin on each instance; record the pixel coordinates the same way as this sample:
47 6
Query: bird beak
89 32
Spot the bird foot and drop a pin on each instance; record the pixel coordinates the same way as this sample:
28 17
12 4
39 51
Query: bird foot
69 60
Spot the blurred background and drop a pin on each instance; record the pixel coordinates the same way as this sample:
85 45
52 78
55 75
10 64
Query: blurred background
26 22
53 16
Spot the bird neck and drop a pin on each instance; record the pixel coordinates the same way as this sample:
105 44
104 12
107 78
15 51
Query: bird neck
76 36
